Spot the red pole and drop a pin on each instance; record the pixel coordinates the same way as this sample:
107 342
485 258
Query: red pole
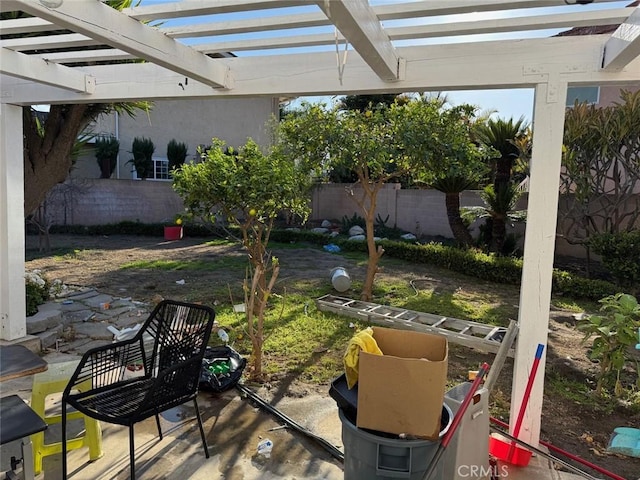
525 399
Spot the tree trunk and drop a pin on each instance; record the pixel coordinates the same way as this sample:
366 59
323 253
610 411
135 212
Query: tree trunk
503 173
498 233
460 232
256 357
47 159
374 253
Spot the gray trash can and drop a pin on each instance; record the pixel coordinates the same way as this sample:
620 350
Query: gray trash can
467 455
369 456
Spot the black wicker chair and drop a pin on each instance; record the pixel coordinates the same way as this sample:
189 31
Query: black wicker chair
135 379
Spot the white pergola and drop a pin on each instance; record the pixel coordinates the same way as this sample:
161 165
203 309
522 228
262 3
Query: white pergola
393 48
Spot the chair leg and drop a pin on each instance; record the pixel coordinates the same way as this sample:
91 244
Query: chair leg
64 440
132 463
204 439
158 424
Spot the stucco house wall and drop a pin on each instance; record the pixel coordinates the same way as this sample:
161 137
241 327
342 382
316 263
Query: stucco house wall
194 122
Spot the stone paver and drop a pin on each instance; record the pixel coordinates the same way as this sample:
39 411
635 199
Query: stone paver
82 295
94 330
45 319
83 315
48 338
77 321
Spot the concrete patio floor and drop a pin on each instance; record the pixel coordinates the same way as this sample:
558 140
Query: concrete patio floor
233 427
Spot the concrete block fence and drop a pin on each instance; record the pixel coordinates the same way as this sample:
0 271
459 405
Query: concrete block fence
102 201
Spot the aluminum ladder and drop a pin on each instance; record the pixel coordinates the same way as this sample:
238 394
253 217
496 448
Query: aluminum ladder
463 332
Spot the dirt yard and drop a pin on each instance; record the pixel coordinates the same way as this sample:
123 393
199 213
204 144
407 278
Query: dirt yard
579 427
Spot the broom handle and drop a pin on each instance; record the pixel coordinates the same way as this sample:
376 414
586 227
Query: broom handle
525 398
465 404
456 421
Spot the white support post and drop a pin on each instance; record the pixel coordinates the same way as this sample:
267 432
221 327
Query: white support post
535 291
13 322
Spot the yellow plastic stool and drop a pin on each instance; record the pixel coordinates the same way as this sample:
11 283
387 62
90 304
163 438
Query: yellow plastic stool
54 380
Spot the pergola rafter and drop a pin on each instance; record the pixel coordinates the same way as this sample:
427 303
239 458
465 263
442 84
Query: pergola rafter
102 23
91 62
357 21
30 68
624 45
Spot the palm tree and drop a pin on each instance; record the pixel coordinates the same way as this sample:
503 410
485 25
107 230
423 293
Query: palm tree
502 135
500 207
452 186
506 138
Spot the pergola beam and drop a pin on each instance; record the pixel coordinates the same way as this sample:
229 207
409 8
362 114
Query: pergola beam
359 24
521 63
395 11
103 23
38 70
249 25
511 24
624 44
468 27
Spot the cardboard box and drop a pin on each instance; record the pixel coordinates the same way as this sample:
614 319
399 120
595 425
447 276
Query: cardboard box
402 391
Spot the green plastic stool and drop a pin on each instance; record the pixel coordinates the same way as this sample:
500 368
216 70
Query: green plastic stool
52 381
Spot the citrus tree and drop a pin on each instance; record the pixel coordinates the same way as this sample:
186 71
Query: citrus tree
362 140
383 143
250 189
438 140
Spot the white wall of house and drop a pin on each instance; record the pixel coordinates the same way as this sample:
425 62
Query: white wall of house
194 122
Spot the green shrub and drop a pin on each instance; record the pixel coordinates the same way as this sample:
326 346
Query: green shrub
107 149
573 285
620 255
37 291
142 151
347 223
614 333
176 154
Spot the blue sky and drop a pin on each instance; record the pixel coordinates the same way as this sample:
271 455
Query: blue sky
506 103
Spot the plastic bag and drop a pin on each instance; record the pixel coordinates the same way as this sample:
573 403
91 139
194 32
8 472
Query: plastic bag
222 368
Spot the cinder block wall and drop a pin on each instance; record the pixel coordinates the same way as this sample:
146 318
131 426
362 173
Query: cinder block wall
102 201
422 212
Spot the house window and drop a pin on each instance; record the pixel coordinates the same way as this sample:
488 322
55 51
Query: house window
160 170
591 95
